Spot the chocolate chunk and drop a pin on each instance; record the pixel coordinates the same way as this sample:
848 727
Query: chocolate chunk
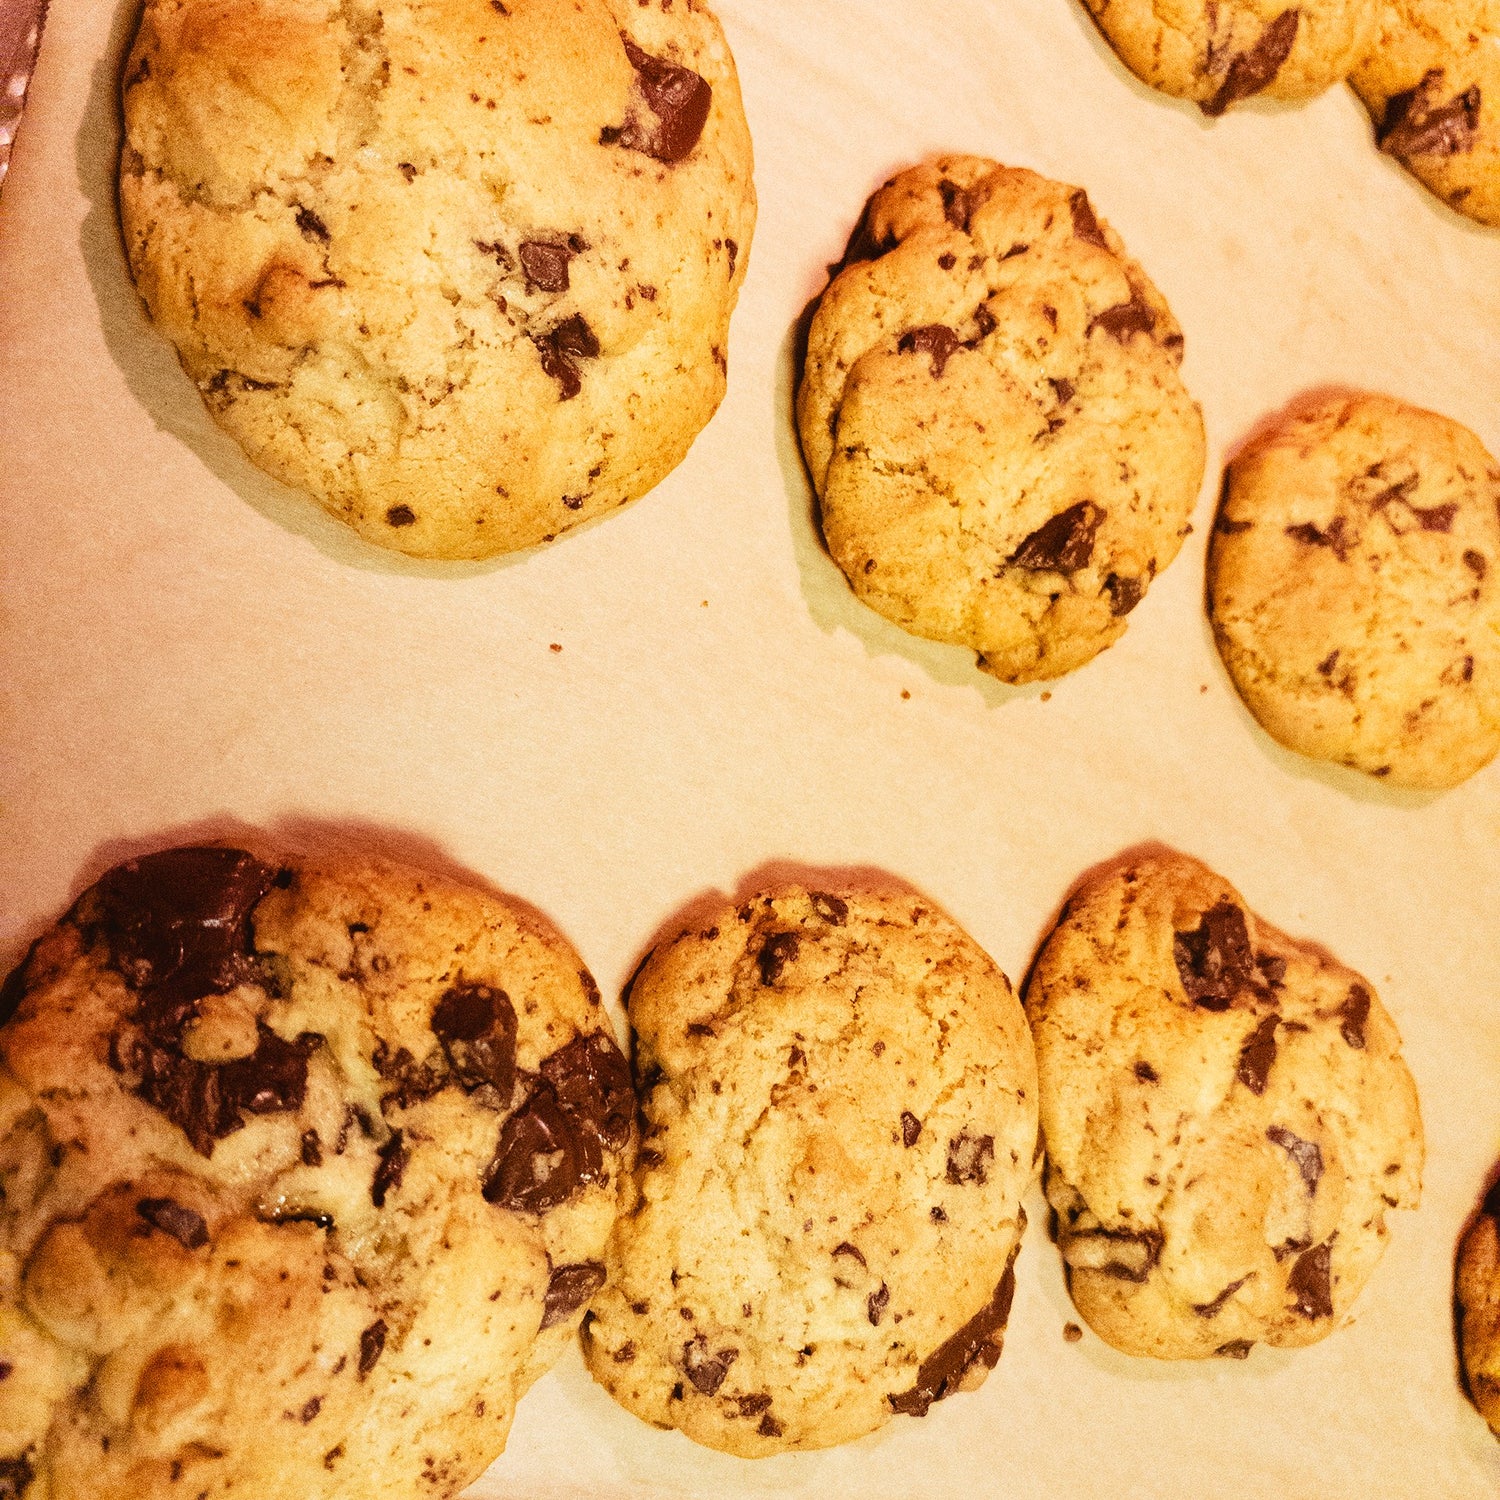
1214 960
1338 537
312 1149
1235 1349
400 515
1258 1055
1251 72
1226 527
1085 225
592 1080
876 1304
677 103
393 1157
1124 593
776 952
1125 318
1436 517
476 1025
969 1157
706 1370
183 1224
545 263
1310 1285
1272 966
1146 1073
1125 1254
412 1082
769 1427
16 1475
1353 1015
754 1405
1305 1155
978 1342
911 1128
958 205
1414 125
833 909
1214 1308
7 1369
1063 389
852 1251
570 1288
562 348
863 245
371 1347
1065 543
1473 561
935 339
312 226
273 1079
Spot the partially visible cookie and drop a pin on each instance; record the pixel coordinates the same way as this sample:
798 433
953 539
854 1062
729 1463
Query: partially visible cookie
1354 588
993 418
1476 1295
1219 52
1226 1113
307 1173
1432 84
462 270
840 1107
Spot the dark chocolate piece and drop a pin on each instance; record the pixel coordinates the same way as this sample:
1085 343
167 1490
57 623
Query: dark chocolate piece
562 347
1414 125
754 1405
312 1149
400 515
1085 224
371 1346
1306 1156
969 1157
16 1475
769 1427
1147 1242
1338 537
911 1128
936 340
1125 318
185 1225
1214 1308
1235 1349
706 1370
1252 72
776 952
1258 1056
1353 1015
677 101
1214 960
311 226
1436 517
958 205
1064 544
1310 1283
978 1342
833 909
545 262
393 1157
570 1288
1272 966
476 1025
1146 1073
852 1251
1124 593
876 1304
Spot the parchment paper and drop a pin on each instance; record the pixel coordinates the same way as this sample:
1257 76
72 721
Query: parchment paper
189 649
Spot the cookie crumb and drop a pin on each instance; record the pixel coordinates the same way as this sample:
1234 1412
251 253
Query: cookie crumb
1072 1332
1046 697
904 695
554 647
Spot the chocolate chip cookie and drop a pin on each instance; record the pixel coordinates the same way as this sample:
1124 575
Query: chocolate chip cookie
307 1174
1354 587
1218 52
1476 1296
993 419
463 272
840 1107
1432 85
1226 1113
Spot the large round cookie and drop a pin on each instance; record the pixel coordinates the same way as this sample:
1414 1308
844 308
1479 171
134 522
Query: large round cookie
992 415
1226 1114
461 269
1432 84
1354 586
307 1172
1476 1297
840 1106
1218 52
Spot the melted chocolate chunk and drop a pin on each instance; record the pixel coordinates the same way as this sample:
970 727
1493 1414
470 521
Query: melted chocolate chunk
570 1288
476 1025
1310 1283
16 1475
185 1226
935 340
392 1157
1214 960
969 1157
706 1370
1064 544
778 950
1214 1308
833 909
876 1304
371 1347
311 226
911 1128
545 263
1251 72
1146 1073
1125 318
412 1082
1258 1056
769 1427
978 1342
677 103
753 1406
562 348
1414 125
1085 224
1338 537
1124 593
958 205
1305 1155
1353 1015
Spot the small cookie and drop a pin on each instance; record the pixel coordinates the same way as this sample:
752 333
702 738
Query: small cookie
1432 85
992 416
1476 1296
463 271
1354 587
1218 52
840 1107
307 1174
1226 1114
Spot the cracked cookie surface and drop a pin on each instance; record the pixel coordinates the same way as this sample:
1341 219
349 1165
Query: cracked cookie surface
1226 1114
1431 82
1476 1296
1354 588
991 412
307 1170
1219 52
461 269
840 1119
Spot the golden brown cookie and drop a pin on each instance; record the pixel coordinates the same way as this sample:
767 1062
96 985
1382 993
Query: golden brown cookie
1476 1296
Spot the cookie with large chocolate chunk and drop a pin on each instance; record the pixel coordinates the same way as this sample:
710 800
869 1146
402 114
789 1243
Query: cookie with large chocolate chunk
1219 52
308 1170
462 270
1354 587
1431 82
840 1119
1476 1299
1226 1113
991 412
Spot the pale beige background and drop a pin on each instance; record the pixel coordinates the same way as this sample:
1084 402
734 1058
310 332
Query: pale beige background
188 648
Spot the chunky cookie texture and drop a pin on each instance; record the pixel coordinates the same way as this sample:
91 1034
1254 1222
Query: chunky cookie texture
1220 52
1226 1114
1476 1295
840 1119
1354 587
463 270
307 1173
1432 85
993 419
